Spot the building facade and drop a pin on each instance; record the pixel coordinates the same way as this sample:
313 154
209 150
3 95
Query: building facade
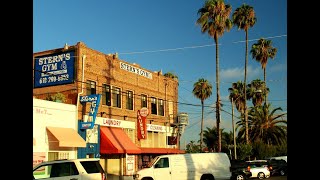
51 121
125 113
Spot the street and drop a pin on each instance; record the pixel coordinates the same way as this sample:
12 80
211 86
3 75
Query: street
277 178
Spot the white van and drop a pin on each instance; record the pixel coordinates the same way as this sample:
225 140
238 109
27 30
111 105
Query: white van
279 157
194 166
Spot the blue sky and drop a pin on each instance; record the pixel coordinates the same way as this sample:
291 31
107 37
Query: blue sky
163 35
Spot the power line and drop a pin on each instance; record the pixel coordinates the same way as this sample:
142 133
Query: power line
193 47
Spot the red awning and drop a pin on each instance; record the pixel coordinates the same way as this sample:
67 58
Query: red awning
161 151
116 141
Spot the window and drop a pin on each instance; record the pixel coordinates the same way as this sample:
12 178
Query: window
116 97
162 163
64 169
130 100
106 95
91 87
161 107
92 166
143 100
57 155
153 105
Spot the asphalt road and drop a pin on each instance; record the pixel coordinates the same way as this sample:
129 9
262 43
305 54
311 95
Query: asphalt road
277 178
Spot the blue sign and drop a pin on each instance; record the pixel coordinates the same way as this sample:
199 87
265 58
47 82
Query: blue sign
54 69
95 101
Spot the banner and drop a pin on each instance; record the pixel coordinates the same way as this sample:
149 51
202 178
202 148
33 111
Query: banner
141 123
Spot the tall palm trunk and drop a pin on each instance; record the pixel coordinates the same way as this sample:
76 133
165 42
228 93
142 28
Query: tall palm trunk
266 103
265 83
245 91
218 94
201 133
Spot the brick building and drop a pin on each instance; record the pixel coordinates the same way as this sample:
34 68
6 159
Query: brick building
120 135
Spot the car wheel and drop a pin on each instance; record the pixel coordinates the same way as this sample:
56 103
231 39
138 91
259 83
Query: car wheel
282 172
260 175
240 177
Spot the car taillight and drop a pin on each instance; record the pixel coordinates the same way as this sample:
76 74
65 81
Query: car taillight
103 176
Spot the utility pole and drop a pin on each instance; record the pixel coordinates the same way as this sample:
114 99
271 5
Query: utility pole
234 133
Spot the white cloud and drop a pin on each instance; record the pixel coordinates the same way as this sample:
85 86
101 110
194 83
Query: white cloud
236 74
278 68
231 73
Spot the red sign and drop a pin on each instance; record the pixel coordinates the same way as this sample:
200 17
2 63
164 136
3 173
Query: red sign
141 123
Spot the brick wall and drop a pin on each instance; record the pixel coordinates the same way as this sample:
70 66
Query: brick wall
105 69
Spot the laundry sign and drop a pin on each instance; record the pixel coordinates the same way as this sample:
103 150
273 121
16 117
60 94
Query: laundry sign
141 123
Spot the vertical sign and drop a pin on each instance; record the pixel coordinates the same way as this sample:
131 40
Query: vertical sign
95 101
141 123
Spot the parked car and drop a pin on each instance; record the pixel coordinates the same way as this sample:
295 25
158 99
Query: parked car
259 169
278 167
239 170
66 169
278 157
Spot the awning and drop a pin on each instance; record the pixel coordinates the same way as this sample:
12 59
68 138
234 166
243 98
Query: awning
66 137
161 151
116 141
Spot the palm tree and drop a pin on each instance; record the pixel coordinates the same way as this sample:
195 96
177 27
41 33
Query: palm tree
202 89
256 92
237 98
237 95
210 138
261 52
192 147
269 128
214 19
244 17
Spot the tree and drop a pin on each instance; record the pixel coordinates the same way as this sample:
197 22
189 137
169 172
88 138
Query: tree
214 19
244 17
210 138
245 150
269 128
261 52
171 75
237 98
202 89
192 148
237 95
257 91
58 97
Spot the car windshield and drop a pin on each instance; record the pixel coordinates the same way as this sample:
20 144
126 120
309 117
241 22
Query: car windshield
152 162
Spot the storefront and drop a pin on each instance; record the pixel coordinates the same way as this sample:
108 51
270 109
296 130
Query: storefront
117 148
51 122
158 142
